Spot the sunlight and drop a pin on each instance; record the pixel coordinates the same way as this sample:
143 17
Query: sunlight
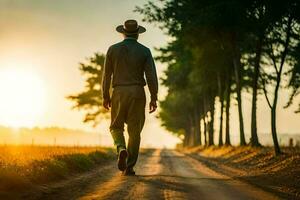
22 96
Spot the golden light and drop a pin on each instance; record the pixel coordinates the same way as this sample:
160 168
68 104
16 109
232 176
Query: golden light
22 97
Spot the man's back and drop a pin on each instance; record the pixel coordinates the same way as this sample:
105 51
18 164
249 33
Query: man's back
126 62
128 58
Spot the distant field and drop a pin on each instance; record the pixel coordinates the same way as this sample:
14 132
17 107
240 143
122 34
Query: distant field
21 155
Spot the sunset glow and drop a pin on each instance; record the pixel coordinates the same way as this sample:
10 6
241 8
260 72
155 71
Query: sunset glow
22 96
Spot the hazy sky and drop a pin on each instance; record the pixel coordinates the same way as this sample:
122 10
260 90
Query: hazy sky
46 39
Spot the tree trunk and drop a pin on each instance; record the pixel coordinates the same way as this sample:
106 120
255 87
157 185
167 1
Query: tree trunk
197 128
221 98
186 139
273 112
200 132
191 131
205 122
192 137
208 131
221 123
211 123
205 130
237 74
274 131
227 129
254 138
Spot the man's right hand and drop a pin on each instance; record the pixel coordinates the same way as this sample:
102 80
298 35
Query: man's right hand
107 104
152 106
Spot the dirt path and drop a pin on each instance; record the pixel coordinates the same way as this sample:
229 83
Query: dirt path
164 174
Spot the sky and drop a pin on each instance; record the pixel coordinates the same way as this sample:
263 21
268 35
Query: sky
41 44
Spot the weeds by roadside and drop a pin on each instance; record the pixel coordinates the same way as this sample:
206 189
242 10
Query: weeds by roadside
23 166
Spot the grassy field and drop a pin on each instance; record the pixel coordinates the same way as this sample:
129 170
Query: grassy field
24 166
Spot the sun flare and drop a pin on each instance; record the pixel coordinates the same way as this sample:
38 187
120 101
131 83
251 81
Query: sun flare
22 97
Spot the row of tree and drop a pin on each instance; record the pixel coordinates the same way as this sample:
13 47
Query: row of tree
219 49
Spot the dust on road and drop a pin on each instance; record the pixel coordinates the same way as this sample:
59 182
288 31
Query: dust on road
163 174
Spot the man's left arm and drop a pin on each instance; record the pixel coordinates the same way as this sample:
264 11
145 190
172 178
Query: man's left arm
106 80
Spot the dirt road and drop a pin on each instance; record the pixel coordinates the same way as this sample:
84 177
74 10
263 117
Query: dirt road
163 174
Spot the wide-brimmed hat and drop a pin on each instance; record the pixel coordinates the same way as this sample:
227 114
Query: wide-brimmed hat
130 27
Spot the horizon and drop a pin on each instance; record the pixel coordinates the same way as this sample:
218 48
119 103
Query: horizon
59 136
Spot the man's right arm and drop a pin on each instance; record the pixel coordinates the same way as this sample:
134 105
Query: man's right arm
151 77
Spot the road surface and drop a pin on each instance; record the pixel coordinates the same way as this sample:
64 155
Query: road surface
161 174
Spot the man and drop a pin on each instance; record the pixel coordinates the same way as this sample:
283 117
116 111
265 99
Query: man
126 63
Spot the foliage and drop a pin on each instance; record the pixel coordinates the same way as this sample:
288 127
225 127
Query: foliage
294 83
216 41
90 100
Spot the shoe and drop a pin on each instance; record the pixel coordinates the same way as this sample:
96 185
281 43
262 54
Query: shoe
122 160
129 172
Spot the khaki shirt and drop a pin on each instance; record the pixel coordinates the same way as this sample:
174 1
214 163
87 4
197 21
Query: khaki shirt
126 63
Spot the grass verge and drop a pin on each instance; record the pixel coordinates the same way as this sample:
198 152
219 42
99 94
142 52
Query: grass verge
258 166
17 176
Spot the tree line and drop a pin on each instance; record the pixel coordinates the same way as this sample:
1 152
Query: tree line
219 49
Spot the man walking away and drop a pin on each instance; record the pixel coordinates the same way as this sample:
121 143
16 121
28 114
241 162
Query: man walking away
126 64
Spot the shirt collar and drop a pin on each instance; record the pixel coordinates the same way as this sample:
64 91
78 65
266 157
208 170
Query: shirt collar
130 39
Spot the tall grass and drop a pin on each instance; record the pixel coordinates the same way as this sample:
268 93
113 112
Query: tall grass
22 166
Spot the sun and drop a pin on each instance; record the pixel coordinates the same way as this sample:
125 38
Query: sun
22 97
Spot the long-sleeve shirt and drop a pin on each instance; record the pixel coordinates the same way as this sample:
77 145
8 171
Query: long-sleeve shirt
128 63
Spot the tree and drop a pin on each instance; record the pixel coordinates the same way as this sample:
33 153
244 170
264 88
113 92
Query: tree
258 15
262 15
90 100
228 93
283 42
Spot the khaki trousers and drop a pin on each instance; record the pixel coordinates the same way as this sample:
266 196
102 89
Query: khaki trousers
128 106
